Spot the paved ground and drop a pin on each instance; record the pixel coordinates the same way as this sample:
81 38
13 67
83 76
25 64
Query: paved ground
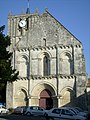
20 117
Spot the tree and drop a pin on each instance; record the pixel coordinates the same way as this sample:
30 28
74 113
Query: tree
6 71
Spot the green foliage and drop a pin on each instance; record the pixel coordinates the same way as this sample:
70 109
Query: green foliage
11 110
6 71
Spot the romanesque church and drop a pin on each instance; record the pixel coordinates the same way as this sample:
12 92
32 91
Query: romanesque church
50 61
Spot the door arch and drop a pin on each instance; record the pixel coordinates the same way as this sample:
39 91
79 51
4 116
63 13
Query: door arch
67 97
46 100
21 98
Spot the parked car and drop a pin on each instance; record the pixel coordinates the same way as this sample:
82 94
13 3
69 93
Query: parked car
78 111
25 109
19 110
63 113
3 109
35 110
3 103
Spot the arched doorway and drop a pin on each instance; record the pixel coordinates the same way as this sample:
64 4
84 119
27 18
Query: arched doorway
21 98
67 98
46 100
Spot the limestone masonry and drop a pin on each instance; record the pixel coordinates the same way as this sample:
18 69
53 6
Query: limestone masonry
50 61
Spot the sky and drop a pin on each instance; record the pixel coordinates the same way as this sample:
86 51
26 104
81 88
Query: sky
73 14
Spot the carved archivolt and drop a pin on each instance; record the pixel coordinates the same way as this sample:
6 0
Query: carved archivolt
37 89
66 63
66 55
23 65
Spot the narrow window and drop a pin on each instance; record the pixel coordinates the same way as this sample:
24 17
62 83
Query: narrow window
46 66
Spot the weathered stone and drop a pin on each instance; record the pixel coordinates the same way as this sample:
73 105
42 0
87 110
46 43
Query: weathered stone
49 60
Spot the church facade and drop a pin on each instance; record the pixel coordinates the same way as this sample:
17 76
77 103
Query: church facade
50 61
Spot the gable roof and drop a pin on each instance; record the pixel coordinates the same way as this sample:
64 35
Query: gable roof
63 26
49 29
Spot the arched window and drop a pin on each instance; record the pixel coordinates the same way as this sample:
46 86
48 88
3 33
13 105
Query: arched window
23 66
66 64
46 65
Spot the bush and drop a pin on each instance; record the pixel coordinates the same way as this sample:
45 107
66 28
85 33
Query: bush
11 110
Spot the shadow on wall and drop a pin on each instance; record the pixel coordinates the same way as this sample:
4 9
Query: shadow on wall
83 101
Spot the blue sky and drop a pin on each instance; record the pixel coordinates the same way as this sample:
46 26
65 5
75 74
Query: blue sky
73 14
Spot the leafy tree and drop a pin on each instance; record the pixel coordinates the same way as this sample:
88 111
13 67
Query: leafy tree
6 71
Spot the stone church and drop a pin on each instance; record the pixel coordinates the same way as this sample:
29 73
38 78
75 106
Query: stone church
50 61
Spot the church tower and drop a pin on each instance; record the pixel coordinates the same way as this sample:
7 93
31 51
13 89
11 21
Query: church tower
50 62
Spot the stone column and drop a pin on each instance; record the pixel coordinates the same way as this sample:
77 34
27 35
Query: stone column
59 102
55 101
29 77
60 98
29 101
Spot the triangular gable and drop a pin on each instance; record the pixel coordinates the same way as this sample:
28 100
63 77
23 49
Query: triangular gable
49 29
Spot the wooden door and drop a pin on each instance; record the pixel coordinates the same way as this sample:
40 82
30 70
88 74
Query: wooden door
45 99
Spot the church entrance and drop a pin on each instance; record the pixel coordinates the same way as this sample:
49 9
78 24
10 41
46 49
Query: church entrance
46 100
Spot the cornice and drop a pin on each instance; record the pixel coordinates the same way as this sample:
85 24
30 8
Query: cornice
37 48
36 77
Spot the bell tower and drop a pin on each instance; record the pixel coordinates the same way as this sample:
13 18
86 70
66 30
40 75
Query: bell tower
18 26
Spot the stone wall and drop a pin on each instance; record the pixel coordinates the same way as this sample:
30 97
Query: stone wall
45 36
